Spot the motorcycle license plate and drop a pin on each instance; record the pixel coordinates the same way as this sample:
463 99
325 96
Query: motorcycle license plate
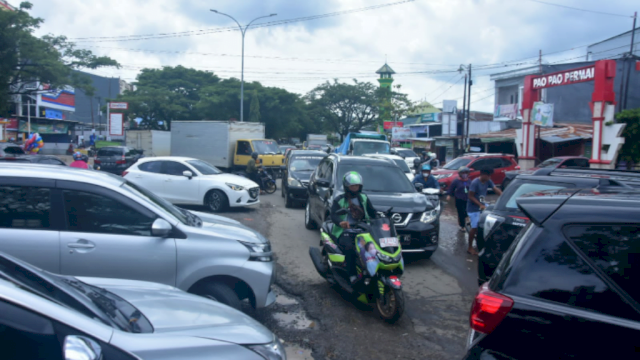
389 242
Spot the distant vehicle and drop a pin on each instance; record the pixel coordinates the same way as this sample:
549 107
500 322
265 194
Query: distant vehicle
567 288
408 155
116 159
45 315
500 223
284 148
314 147
347 145
499 163
315 139
33 159
555 162
398 160
88 223
189 181
417 220
9 149
297 171
151 142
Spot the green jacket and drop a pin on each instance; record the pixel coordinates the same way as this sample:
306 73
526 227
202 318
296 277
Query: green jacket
341 203
251 166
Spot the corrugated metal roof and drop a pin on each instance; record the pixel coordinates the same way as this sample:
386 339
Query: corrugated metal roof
566 132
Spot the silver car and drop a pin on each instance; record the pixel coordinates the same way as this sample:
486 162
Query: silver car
75 222
49 316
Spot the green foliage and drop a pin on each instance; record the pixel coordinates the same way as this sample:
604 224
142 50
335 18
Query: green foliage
631 148
254 109
50 59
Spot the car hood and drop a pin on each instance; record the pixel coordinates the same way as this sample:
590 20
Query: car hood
301 175
175 312
402 203
211 218
232 179
226 229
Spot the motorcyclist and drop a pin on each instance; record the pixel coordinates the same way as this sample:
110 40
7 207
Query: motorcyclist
252 170
359 207
78 161
425 178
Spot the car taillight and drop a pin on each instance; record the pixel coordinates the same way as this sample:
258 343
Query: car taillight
121 161
124 173
518 167
96 161
488 310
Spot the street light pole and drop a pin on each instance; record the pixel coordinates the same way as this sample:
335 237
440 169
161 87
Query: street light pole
243 31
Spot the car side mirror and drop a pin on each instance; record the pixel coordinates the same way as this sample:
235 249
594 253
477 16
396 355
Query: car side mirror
419 187
160 228
188 174
81 348
323 183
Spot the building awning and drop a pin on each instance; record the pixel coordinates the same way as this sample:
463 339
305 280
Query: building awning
557 139
497 139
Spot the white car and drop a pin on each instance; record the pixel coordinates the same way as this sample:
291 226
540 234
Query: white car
408 155
398 160
189 181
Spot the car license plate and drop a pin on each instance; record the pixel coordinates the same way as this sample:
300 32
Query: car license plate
389 242
406 239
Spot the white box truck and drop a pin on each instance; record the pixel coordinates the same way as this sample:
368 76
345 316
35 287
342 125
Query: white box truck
153 142
213 141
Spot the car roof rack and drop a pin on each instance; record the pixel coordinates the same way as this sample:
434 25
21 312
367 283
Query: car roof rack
631 178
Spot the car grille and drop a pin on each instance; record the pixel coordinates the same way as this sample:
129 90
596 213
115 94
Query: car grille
304 183
253 192
401 219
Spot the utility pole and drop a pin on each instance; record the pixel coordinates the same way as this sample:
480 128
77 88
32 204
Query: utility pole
243 31
469 107
633 32
540 61
29 116
464 104
629 59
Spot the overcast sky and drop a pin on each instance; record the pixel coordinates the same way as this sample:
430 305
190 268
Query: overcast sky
415 37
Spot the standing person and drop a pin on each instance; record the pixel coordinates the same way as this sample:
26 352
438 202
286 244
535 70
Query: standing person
476 203
252 170
78 162
459 189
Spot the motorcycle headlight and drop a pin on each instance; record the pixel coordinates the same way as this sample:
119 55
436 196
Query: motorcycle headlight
384 258
259 251
273 351
489 222
235 187
430 215
293 182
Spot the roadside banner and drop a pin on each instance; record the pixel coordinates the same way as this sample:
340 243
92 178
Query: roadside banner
505 112
400 134
56 128
116 124
542 114
388 125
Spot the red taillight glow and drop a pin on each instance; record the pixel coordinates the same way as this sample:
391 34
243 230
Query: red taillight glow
124 173
121 161
488 310
518 167
96 161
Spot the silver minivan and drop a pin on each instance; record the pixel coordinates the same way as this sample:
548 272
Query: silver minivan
83 223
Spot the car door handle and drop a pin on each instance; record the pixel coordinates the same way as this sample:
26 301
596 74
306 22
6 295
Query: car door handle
81 245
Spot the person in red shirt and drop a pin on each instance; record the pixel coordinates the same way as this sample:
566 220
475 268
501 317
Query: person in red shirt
78 162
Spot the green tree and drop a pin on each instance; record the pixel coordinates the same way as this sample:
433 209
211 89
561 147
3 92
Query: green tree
25 58
631 149
393 104
254 109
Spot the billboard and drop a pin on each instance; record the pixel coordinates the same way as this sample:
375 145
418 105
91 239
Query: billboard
388 125
542 114
57 99
400 134
116 124
450 106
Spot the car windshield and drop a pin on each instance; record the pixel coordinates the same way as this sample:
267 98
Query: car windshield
111 152
304 163
514 191
402 165
370 147
378 178
407 153
204 167
553 162
152 198
455 164
266 147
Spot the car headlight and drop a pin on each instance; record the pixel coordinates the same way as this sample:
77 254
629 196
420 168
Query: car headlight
293 182
235 187
431 215
259 251
489 222
273 351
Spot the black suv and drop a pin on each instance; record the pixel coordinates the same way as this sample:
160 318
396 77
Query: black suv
415 217
297 170
566 288
116 159
500 223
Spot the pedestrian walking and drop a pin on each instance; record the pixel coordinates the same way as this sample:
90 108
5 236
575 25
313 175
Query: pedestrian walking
476 203
459 189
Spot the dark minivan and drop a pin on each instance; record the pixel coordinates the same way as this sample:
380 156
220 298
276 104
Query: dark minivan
116 159
567 288
297 171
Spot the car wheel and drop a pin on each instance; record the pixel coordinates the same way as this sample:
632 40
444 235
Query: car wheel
308 222
220 293
287 201
216 200
282 192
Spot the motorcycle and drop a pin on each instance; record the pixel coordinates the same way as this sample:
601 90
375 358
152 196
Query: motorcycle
379 264
268 184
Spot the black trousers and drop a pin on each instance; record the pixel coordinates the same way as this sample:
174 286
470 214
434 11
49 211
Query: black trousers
255 178
461 206
346 244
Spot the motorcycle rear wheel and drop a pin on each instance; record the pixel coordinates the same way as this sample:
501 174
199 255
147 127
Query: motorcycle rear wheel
270 187
390 307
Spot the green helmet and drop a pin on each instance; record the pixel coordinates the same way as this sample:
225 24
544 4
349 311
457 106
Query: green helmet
351 178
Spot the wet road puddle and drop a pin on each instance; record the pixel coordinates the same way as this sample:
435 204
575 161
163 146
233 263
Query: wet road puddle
285 300
297 353
294 319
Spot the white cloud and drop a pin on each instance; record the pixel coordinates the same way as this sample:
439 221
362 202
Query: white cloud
419 36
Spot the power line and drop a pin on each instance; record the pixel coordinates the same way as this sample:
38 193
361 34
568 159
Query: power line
226 29
449 88
578 9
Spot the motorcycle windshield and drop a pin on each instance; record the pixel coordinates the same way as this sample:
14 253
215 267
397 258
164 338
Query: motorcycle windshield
383 228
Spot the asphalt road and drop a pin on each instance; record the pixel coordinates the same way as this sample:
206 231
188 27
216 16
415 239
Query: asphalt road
316 321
